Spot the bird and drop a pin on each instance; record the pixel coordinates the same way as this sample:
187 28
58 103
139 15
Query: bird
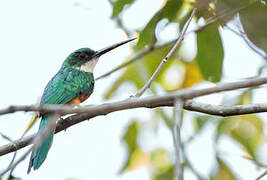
71 85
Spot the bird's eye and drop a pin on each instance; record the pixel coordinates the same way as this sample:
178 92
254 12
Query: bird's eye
82 56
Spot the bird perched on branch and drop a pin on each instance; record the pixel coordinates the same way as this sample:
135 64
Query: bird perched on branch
73 84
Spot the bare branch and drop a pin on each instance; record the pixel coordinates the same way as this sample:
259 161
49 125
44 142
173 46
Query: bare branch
86 113
14 156
178 42
63 124
37 141
149 102
261 176
17 162
241 34
176 134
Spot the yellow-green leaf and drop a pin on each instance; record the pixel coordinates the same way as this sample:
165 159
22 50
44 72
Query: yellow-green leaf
136 158
169 11
162 167
222 172
245 129
119 5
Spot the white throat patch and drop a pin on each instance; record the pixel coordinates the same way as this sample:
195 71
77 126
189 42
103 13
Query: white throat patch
89 66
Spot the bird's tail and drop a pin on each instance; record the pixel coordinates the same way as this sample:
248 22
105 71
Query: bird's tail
39 155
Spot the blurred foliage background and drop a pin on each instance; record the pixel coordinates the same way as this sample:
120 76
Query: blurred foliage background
193 67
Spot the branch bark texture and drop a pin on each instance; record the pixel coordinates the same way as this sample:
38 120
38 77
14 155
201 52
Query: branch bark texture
85 113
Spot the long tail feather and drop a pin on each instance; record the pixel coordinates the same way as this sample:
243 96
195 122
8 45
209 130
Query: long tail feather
39 155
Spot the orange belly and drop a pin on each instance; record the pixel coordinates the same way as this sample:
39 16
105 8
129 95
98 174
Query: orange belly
78 100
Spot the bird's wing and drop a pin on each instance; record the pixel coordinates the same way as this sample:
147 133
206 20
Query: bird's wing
67 84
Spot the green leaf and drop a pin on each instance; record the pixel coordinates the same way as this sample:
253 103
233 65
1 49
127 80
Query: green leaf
245 129
147 34
245 97
136 158
210 53
169 11
171 8
119 6
254 22
222 172
163 169
200 121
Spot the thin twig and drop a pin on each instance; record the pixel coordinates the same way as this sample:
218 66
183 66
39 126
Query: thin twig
166 99
261 176
86 113
216 18
6 137
37 141
180 39
249 44
104 109
176 134
14 156
17 162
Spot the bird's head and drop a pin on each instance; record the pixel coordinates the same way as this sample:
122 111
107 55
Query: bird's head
85 59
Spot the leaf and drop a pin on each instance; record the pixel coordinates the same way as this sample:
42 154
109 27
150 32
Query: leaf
210 53
136 158
171 8
223 172
254 23
199 122
169 11
147 34
192 75
245 97
119 5
162 167
227 9
245 129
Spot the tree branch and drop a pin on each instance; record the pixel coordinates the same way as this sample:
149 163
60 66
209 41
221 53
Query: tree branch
178 42
261 176
86 113
176 135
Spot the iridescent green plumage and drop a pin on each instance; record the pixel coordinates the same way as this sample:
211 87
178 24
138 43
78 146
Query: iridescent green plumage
73 84
67 84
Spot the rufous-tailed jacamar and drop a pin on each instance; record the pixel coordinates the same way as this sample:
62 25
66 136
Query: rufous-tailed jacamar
73 84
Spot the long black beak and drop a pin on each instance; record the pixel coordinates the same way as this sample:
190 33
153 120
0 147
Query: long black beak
107 49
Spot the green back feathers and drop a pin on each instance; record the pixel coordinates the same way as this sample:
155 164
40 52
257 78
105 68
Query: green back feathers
67 84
